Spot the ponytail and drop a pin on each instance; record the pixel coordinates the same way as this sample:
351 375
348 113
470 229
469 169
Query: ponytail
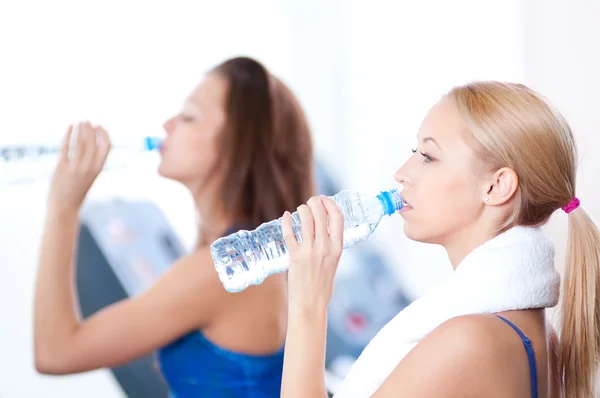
579 347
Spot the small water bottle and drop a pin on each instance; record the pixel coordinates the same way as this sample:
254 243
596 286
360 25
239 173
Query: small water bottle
248 257
21 164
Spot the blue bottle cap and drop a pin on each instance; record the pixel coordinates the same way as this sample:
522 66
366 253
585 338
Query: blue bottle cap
152 143
391 201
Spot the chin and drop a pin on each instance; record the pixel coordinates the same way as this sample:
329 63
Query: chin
419 233
166 173
163 171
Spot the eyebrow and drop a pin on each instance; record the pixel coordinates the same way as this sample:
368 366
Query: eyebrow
190 103
426 139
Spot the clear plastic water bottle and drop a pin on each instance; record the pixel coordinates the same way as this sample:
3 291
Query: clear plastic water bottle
247 257
20 164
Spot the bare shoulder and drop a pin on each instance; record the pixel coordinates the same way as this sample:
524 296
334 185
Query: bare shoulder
474 341
199 263
468 330
461 357
196 271
192 285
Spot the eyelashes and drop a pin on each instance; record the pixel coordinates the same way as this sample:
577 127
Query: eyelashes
426 157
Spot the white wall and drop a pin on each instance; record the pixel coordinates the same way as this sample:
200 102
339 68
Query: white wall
562 61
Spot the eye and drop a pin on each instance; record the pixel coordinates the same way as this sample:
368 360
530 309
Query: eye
426 158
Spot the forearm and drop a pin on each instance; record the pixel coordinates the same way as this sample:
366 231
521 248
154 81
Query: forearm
304 360
55 314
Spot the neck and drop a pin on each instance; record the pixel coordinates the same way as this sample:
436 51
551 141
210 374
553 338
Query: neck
214 219
463 243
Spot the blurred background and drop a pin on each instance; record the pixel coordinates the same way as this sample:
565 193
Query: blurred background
366 73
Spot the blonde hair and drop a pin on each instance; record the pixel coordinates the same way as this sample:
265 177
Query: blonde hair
510 125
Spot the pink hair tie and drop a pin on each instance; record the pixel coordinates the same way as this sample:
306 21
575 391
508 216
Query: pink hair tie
571 206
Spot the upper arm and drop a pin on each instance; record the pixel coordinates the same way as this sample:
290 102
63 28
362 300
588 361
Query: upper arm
455 360
185 298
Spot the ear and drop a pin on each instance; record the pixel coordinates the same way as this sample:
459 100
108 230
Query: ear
501 187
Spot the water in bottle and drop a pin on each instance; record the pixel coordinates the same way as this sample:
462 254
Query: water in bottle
20 164
247 257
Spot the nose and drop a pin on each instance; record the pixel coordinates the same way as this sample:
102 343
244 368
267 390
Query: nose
169 125
402 175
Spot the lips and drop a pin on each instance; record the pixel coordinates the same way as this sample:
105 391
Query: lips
407 206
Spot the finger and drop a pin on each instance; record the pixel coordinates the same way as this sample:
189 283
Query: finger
89 139
288 232
336 220
66 146
80 146
308 226
320 219
104 145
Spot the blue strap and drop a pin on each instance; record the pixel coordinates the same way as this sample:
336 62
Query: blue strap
530 356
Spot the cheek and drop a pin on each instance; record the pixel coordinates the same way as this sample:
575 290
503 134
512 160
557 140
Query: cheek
454 197
202 138
190 155
456 203
199 157
444 205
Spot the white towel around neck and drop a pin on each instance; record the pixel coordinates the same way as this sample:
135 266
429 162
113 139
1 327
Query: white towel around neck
513 271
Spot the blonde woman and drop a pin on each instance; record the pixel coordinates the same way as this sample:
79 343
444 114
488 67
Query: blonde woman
493 162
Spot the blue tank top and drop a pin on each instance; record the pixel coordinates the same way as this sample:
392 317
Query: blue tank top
193 366
530 356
